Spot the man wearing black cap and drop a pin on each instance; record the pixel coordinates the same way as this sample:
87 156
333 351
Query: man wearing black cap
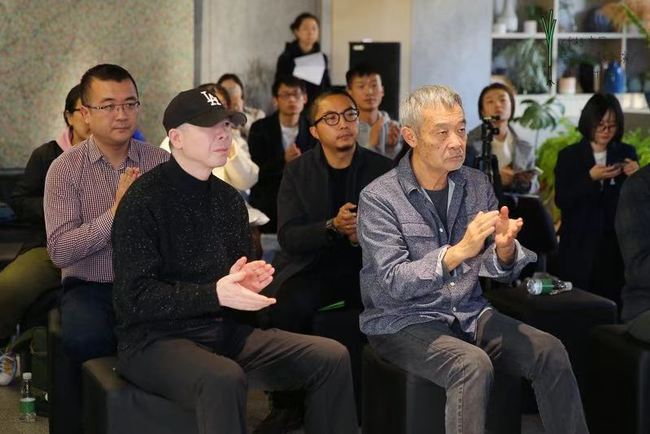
181 239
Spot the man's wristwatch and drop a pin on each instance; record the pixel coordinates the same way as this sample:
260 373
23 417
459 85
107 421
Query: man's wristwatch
332 233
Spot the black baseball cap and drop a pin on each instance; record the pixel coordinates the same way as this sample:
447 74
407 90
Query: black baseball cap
198 107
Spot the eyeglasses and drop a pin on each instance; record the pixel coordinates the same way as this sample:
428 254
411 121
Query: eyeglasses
332 119
603 128
128 107
287 95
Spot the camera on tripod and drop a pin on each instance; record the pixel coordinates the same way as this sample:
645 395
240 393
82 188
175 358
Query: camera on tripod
488 130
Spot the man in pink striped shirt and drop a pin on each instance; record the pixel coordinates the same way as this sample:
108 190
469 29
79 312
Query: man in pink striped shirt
83 189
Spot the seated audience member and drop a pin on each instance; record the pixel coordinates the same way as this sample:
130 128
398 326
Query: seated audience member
239 171
376 130
515 157
181 240
632 217
317 220
235 87
83 188
276 140
428 229
306 30
588 179
32 272
317 228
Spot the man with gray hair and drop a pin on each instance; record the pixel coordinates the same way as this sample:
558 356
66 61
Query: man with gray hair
428 229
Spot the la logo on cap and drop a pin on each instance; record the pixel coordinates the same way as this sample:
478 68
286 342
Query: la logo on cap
213 100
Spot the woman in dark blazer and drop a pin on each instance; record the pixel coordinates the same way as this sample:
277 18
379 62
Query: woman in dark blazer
305 28
588 179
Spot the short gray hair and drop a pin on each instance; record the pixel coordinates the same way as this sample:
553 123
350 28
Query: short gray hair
411 107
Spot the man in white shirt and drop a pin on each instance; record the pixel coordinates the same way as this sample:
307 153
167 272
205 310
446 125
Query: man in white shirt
376 130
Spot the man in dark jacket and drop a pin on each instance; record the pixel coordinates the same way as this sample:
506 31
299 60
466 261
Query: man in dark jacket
276 140
632 217
317 229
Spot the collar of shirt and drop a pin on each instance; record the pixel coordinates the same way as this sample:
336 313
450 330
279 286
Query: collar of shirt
94 154
409 182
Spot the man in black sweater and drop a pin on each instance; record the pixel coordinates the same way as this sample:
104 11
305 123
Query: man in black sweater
632 217
181 239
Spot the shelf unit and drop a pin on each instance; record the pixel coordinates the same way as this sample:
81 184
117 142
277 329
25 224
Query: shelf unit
601 41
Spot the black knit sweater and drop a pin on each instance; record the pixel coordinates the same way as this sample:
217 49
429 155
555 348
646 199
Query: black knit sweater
173 237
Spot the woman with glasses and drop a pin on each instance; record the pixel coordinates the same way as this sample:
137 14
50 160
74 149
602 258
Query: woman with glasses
588 179
32 273
305 28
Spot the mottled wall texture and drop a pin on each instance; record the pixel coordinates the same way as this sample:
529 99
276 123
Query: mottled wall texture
46 45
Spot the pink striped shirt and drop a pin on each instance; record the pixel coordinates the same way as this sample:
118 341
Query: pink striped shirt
79 191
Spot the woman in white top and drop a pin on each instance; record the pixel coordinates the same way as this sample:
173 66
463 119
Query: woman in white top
588 180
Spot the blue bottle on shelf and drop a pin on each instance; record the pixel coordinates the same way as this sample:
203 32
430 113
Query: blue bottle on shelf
614 80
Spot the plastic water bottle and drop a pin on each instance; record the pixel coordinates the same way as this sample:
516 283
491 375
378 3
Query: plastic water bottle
547 286
27 400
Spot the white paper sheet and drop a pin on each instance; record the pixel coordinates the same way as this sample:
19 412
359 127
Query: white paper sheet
310 68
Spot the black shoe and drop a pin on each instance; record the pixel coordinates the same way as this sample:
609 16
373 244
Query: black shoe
280 421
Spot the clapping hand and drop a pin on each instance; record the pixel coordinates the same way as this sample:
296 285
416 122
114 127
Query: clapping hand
240 289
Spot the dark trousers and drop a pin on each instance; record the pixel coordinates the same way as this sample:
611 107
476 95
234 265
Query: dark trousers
87 320
87 327
301 296
187 371
607 275
639 327
466 369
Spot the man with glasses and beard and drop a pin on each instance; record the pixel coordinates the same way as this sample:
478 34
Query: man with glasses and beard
317 225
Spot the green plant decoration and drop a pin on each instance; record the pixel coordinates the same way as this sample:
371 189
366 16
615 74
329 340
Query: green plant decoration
526 66
547 159
549 29
641 142
540 116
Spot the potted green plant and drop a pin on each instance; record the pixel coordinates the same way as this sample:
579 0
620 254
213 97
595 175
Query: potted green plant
547 159
525 61
570 57
533 13
540 116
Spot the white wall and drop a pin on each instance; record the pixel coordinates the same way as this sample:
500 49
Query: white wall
379 20
442 41
451 44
